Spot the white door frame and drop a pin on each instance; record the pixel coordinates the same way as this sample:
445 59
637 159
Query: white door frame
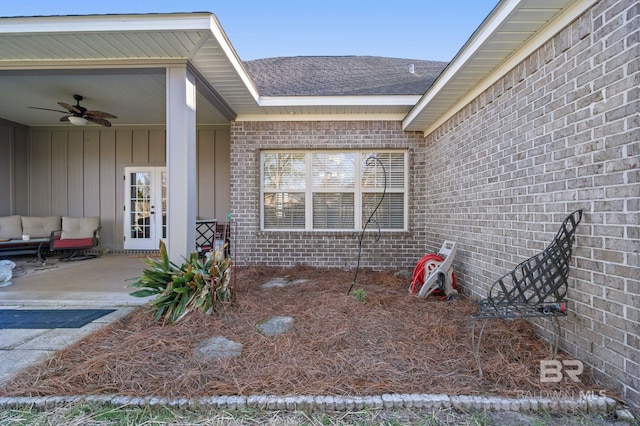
144 219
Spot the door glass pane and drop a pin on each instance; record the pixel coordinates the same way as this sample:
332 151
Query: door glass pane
140 193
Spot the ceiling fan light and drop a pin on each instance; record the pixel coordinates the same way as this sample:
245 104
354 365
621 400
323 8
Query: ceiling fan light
77 121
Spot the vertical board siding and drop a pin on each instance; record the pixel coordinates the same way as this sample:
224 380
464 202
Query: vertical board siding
6 178
21 171
79 172
123 158
40 182
222 172
140 147
108 183
205 177
75 185
91 178
157 151
59 173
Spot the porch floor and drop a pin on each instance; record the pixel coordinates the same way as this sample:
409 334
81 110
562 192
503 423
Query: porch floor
100 282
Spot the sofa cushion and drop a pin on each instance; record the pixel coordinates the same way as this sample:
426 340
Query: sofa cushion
10 227
40 227
79 227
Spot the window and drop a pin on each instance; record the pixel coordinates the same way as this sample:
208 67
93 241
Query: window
333 190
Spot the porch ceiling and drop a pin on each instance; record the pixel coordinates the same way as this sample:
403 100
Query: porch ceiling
117 63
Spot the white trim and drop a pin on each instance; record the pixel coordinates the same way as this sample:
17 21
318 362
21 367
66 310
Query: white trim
471 47
91 64
321 117
368 100
564 18
357 189
232 56
155 222
103 23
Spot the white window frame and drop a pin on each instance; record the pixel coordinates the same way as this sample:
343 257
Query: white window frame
308 190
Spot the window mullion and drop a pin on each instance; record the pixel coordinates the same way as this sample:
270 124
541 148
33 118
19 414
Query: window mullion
308 205
357 196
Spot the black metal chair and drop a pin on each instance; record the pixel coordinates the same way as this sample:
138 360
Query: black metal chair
536 287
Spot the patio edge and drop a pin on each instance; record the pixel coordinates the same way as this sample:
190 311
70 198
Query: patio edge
586 403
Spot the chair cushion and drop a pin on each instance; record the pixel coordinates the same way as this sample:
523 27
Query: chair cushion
10 227
79 227
72 243
40 227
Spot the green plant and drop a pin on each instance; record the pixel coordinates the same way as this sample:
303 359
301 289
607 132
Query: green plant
196 285
359 294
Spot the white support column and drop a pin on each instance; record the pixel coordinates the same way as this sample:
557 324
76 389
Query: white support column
181 163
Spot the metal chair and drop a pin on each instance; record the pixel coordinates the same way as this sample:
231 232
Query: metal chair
536 287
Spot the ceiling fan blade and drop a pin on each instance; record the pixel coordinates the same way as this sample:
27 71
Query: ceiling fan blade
71 108
97 120
65 118
49 109
99 114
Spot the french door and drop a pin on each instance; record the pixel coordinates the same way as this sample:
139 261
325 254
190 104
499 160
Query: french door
145 207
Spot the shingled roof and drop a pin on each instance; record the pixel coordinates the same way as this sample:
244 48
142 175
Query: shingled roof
342 75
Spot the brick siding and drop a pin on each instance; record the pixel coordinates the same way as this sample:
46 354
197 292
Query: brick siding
558 133
322 249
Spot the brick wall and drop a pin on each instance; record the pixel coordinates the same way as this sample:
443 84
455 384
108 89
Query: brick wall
558 133
323 249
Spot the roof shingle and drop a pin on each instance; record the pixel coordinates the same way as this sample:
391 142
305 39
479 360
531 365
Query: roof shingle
342 75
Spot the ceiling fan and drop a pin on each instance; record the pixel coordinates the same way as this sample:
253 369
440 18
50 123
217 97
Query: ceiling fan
79 115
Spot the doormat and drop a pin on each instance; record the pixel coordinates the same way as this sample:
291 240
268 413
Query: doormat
49 318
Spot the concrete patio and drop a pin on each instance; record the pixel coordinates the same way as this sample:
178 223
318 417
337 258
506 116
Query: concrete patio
98 283
101 282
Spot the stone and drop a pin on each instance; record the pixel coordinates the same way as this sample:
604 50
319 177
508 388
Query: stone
275 325
403 273
219 347
282 282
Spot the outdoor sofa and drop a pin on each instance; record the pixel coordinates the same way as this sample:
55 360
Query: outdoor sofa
37 234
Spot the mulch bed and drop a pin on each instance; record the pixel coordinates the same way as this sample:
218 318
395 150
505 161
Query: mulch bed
392 342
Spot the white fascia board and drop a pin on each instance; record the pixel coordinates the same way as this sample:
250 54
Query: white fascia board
101 23
286 101
564 18
320 117
232 56
471 47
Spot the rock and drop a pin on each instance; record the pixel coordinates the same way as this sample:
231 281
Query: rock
219 347
282 282
404 274
274 326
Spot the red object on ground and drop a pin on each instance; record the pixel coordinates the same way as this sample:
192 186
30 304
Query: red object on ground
427 264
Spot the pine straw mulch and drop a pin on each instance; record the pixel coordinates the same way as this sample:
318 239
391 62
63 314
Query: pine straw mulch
393 342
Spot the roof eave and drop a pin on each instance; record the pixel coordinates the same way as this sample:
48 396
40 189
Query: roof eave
359 100
428 114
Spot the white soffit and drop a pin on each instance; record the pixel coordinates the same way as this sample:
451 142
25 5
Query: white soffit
511 32
332 108
100 42
95 43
